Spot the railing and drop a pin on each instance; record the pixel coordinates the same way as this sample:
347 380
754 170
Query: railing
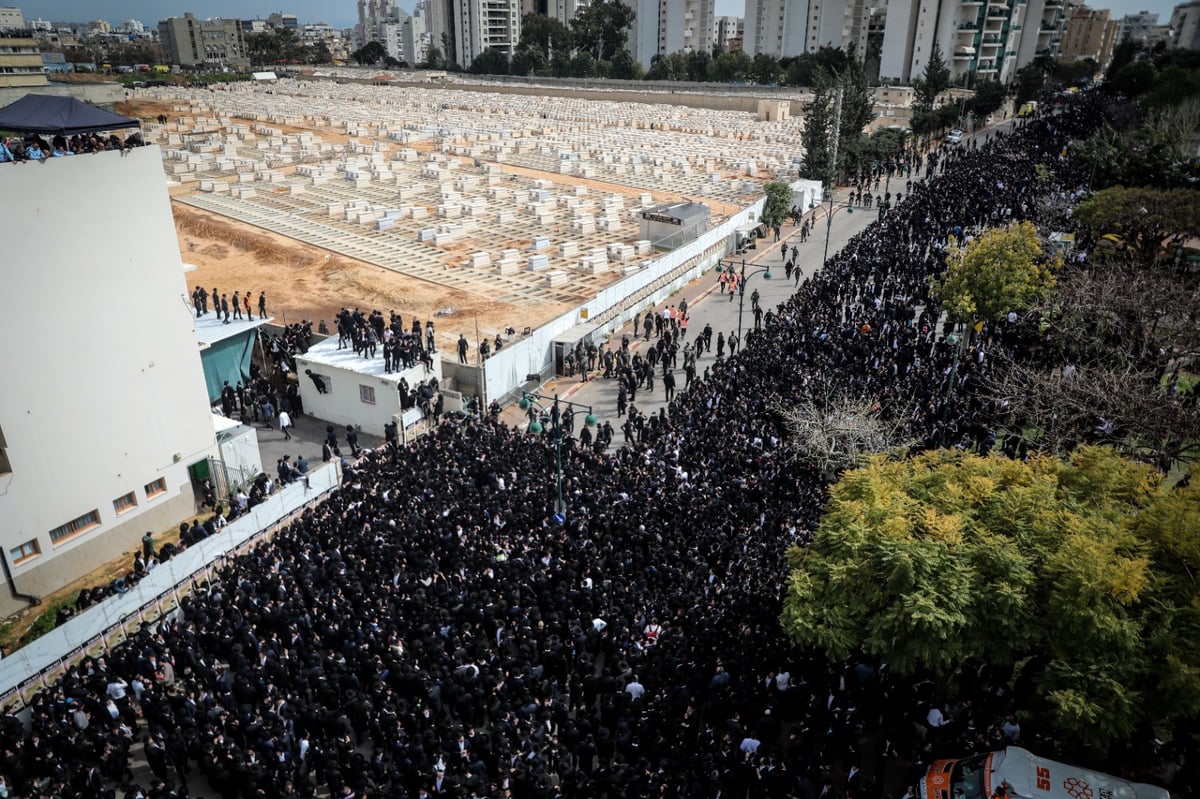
107 624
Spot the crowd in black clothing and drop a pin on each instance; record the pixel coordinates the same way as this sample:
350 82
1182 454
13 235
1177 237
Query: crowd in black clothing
369 335
35 147
432 629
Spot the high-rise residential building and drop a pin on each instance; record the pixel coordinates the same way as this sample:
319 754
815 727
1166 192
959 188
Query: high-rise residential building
1185 26
191 42
791 27
1137 27
1090 33
978 39
439 29
564 10
728 33
416 36
661 27
482 24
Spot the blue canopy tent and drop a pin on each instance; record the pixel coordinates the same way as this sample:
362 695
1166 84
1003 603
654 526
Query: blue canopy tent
45 113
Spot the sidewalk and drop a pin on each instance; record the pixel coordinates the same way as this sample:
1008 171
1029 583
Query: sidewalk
707 305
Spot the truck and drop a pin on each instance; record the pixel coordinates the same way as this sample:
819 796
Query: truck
1024 775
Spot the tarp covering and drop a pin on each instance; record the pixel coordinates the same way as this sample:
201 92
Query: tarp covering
228 359
44 113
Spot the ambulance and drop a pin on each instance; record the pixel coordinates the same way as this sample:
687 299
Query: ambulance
1023 775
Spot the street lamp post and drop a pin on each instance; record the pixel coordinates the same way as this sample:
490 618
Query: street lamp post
832 209
765 271
553 417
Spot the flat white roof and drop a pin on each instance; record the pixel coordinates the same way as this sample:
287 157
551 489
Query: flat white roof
210 329
326 353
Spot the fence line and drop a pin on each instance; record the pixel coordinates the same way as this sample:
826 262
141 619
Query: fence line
34 666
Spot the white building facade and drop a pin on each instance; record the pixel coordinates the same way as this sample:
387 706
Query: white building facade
483 24
106 408
784 28
978 39
662 27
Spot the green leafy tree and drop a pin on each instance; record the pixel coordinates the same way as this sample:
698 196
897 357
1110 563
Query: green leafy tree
765 70
624 67
528 61
1147 221
668 66
730 67
779 202
1078 569
602 28
933 81
490 62
989 96
433 58
369 54
698 63
1000 271
818 133
803 69
544 33
858 109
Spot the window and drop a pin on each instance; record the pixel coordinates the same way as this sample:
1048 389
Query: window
159 486
124 503
29 549
367 394
76 526
5 465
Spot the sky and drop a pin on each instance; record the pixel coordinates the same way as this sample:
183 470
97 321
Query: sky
343 13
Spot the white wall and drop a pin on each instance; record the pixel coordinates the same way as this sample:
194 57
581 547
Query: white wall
342 404
505 371
104 391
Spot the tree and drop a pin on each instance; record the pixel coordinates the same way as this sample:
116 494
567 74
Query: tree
1148 221
802 70
528 61
433 58
547 34
698 63
730 67
817 136
1003 270
490 62
858 109
933 81
623 67
989 96
834 431
779 202
765 70
369 54
601 28
668 66
1077 569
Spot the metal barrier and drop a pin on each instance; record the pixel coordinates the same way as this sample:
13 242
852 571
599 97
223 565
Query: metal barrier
109 623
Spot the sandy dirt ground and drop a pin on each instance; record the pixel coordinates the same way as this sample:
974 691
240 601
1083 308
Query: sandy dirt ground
306 282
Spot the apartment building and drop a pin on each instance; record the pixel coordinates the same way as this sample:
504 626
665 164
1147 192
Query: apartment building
215 42
1090 33
784 28
670 26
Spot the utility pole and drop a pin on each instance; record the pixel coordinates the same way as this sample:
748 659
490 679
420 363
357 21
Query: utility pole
837 129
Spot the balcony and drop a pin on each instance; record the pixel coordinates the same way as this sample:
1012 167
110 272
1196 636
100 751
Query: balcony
964 53
968 27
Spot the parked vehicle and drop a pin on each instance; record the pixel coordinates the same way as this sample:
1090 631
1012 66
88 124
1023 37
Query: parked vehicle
1025 776
954 136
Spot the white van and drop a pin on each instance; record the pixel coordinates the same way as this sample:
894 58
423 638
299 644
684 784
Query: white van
1025 776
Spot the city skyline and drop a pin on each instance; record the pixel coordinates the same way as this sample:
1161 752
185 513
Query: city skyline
343 14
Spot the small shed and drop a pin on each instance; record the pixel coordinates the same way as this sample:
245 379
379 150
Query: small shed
670 226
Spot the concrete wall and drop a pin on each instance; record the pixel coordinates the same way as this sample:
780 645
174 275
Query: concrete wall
717 96
105 94
104 391
506 370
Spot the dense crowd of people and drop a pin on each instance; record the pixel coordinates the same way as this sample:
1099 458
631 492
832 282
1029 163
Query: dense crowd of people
35 146
435 629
